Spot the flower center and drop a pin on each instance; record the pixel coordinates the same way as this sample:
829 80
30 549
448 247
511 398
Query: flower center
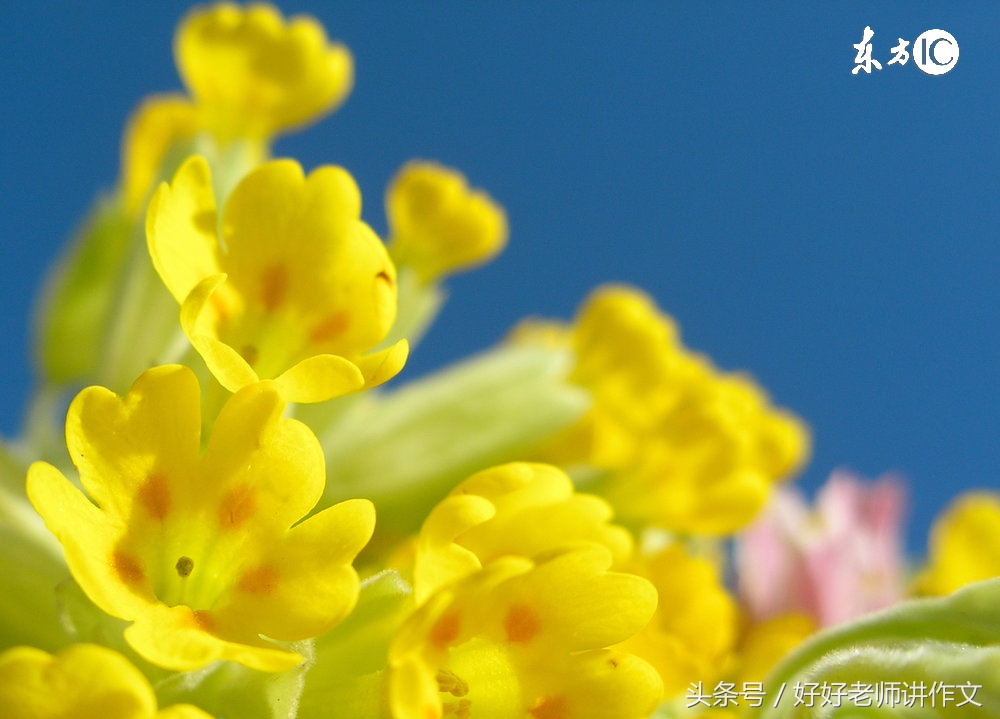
479 672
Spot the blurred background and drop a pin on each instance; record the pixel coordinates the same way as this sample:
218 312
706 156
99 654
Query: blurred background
834 234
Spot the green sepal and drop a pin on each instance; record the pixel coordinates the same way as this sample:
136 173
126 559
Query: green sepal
407 449
31 566
227 690
348 677
85 622
80 295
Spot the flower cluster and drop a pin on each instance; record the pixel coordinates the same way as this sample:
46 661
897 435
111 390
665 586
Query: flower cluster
582 522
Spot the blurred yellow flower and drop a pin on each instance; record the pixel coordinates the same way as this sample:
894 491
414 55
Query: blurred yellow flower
83 681
296 288
684 446
437 225
200 551
252 74
964 545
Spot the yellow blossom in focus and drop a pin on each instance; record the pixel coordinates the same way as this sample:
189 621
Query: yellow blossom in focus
200 551
527 639
964 545
296 288
438 225
84 681
684 446
252 74
518 509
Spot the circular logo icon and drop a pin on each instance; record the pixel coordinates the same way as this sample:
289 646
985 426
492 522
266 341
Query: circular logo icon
935 52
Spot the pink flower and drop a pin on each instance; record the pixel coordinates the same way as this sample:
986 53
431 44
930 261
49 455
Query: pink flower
835 562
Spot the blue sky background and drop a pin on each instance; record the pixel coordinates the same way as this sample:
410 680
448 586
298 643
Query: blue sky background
833 234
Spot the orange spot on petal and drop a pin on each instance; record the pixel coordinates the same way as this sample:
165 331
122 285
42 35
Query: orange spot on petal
445 630
154 494
273 286
127 568
550 708
239 504
202 619
330 327
262 580
521 624
220 307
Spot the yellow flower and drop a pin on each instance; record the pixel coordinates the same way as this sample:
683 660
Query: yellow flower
200 551
517 509
296 288
964 545
83 681
438 225
527 639
253 75
684 447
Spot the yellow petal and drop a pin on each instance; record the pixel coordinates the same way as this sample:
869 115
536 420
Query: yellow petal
83 680
181 229
295 591
179 639
199 321
578 604
439 559
382 366
604 684
253 447
118 444
319 378
35 685
87 538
